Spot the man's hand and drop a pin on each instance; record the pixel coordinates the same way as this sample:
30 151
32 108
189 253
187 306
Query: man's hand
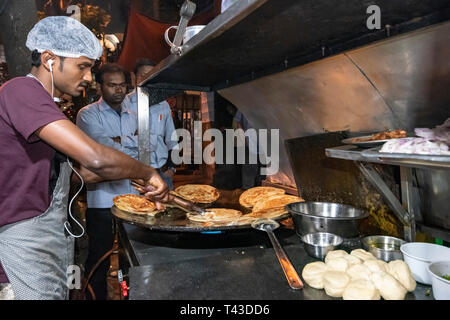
117 139
155 189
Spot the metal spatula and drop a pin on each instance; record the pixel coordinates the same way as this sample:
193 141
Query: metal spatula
268 225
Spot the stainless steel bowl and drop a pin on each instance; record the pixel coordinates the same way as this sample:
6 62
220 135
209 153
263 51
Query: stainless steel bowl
339 219
384 247
319 244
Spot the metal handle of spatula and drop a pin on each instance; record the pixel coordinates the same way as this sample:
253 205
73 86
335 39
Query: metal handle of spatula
289 271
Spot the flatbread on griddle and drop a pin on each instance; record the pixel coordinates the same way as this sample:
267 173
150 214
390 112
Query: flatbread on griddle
269 213
251 196
198 193
135 204
216 215
275 201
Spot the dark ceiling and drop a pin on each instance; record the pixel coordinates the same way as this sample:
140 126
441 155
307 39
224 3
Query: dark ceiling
166 11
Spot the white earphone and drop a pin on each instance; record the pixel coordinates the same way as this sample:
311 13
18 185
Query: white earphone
50 63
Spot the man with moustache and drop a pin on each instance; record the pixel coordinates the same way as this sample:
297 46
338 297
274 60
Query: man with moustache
36 241
109 122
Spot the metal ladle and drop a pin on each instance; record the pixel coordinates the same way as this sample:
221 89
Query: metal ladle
268 226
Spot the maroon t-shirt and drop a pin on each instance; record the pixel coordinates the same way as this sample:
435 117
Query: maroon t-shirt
25 106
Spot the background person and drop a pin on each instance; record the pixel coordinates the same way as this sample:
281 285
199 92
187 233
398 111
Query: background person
111 123
162 127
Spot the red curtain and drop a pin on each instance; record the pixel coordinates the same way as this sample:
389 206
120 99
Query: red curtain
145 37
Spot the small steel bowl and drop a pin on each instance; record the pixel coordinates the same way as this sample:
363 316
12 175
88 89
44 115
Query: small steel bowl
383 247
318 244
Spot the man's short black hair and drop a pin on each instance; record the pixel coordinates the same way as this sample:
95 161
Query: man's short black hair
142 63
111 68
36 60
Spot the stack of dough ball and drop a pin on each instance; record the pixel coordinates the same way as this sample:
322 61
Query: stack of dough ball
390 288
360 276
361 289
352 260
335 282
335 254
399 269
376 265
313 274
359 271
337 264
362 254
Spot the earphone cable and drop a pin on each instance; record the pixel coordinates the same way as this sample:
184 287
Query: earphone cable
67 224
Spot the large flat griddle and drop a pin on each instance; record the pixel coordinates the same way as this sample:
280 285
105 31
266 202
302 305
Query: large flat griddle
174 219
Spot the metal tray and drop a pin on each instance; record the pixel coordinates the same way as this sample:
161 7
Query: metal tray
174 219
431 160
364 144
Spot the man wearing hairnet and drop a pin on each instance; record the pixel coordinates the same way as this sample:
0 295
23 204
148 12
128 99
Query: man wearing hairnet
36 242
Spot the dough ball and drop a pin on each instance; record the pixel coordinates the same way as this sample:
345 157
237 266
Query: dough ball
334 283
313 274
390 288
362 254
337 264
399 269
361 289
335 254
359 271
352 260
376 265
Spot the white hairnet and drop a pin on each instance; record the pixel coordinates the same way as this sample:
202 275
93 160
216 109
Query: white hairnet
65 37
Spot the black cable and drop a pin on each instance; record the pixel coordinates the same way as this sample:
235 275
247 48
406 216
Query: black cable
94 269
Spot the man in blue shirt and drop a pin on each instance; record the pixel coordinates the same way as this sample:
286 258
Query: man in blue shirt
110 122
163 137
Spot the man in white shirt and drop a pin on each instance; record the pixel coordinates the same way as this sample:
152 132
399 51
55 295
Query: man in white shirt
162 129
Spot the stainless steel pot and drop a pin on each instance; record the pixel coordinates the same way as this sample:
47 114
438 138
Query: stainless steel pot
339 219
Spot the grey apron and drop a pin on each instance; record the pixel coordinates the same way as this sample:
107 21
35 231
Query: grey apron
36 253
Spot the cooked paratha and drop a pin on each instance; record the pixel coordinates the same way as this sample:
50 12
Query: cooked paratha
251 196
198 193
270 213
135 204
216 215
275 201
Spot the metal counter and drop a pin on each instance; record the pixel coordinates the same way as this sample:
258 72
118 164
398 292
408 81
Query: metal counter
232 265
